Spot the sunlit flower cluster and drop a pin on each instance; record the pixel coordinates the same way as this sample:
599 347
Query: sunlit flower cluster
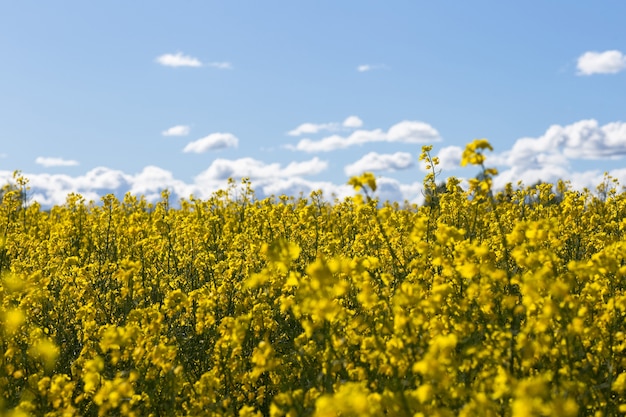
477 303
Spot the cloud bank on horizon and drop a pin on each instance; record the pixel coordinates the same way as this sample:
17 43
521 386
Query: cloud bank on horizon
546 158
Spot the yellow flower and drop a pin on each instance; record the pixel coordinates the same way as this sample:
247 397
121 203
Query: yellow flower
351 399
45 350
473 152
13 319
366 178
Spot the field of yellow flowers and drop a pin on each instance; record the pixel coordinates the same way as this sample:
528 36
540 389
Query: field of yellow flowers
475 303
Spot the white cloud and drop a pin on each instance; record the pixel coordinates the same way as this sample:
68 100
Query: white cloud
178 60
296 186
547 173
608 62
584 139
310 167
412 132
547 157
179 130
404 132
50 189
102 178
267 179
310 128
213 142
380 162
335 142
370 67
220 65
352 122
55 162
553 155
152 180
449 157
390 189
222 169
550 157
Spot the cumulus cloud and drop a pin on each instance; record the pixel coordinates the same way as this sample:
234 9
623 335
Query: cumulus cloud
404 132
335 142
309 128
412 132
553 155
450 157
389 189
222 169
53 189
380 162
55 162
296 186
152 180
267 179
608 62
212 142
50 189
546 173
179 130
178 60
350 122
584 139
310 167
101 178
550 157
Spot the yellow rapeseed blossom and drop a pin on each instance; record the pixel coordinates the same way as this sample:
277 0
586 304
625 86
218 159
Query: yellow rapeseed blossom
13 319
473 152
46 351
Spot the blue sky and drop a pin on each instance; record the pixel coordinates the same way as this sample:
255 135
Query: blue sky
123 96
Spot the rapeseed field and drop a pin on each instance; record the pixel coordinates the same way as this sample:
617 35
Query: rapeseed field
479 302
